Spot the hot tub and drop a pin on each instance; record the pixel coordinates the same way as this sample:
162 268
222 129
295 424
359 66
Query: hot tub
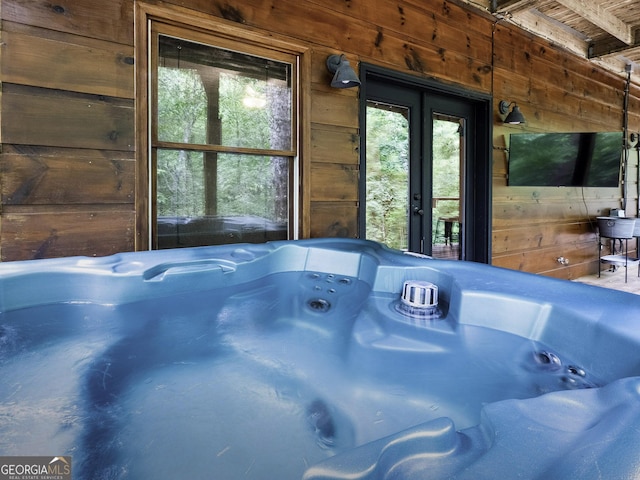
311 360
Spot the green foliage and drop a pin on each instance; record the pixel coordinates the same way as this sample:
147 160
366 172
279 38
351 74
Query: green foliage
180 183
387 177
243 112
182 106
248 187
242 126
387 195
446 159
446 168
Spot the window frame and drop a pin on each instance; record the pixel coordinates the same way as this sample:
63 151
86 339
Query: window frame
152 21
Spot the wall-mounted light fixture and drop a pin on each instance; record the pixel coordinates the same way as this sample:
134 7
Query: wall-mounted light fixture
344 76
515 117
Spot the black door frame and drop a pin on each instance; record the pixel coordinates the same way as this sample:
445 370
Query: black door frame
477 192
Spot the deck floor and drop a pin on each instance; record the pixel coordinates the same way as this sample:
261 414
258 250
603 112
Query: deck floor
615 280
445 251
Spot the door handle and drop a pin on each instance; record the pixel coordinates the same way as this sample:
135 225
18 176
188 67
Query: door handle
418 211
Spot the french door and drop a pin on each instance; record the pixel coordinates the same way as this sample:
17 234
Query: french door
425 168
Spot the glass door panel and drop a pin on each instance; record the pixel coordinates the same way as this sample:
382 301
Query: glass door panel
447 154
387 174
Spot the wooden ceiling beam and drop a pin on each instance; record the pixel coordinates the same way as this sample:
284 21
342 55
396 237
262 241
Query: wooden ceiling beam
594 12
551 30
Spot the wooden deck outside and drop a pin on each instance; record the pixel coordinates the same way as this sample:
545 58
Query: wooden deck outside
450 251
615 279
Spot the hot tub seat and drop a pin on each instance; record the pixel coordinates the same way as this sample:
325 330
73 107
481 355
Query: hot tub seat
586 434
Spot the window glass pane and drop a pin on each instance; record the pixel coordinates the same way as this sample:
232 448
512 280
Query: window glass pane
212 198
210 95
182 106
180 183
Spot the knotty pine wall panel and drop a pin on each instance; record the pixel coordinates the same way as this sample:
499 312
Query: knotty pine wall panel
52 232
332 182
65 176
544 260
330 143
111 21
74 63
549 235
63 119
67 129
334 219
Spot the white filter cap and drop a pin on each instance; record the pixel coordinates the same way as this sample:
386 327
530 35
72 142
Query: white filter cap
419 294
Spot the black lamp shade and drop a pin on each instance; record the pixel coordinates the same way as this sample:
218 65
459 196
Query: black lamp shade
344 76
515 116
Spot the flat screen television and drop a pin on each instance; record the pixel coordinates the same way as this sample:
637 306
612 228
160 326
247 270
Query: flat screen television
565 159
603 169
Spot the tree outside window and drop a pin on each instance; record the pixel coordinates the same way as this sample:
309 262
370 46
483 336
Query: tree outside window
222 143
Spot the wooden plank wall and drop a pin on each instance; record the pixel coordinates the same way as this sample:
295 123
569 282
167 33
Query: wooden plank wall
533 226
68 120
67 127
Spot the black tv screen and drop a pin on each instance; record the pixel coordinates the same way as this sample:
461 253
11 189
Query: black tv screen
603 170
565 159
543 159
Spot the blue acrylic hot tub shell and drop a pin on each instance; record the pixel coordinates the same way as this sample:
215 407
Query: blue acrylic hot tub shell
590 429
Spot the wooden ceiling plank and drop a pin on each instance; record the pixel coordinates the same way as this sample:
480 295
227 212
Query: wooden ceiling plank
612 46
595 13
512 6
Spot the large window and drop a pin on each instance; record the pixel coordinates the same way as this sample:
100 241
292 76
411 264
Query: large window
222 140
